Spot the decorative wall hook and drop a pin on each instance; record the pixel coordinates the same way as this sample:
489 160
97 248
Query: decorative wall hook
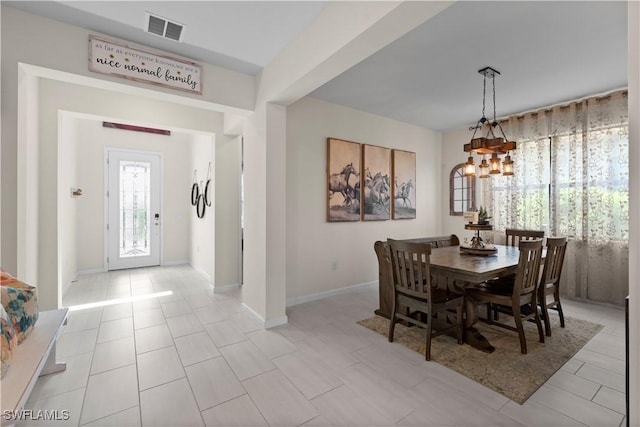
206 187
195 189
200 199
201 204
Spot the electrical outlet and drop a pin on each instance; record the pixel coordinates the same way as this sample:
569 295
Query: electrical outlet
334 265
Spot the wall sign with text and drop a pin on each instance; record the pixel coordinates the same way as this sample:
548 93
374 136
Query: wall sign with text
118 60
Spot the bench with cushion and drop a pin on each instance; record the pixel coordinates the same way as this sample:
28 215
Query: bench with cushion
28 344
34 357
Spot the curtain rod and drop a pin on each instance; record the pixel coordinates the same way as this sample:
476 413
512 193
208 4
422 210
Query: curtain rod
548 108
565 104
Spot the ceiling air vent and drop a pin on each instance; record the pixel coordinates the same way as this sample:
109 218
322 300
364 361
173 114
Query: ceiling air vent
163 27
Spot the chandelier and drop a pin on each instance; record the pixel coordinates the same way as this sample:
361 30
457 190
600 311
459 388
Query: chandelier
490 144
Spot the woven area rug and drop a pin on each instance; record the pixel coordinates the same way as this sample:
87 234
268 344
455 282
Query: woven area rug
506 370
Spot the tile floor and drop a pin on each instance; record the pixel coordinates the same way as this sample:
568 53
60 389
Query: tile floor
198 358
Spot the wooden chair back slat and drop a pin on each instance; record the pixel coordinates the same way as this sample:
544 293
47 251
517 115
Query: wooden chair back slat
554 260
411 267
528 270
515 236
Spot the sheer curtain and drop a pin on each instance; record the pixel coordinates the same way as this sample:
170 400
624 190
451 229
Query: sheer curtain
571 179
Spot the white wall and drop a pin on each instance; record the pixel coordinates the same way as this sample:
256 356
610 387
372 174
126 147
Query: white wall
67 203
265 214
92 140
313 244
254 275
202 235
28 158
227 207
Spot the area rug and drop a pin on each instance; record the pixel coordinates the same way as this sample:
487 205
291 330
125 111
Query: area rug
506 370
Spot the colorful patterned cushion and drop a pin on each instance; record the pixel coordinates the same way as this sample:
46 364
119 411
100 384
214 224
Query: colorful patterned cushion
9 340
21 304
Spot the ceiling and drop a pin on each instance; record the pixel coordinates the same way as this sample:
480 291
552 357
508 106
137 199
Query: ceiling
547 52
239 35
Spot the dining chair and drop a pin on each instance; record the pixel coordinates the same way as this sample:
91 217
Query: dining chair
442 242
515 236
520 298
422 301
438 242
550 281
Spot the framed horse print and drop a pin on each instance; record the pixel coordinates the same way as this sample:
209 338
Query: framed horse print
343 180
403 203
376 183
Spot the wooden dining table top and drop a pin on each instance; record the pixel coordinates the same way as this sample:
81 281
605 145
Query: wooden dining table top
452 262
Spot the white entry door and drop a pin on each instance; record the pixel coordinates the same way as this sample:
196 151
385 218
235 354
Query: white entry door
133 204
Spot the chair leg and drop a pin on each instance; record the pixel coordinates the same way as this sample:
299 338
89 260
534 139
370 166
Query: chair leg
556 296
518 318
459 321
538 323
545 317
489 316
392 323
427 353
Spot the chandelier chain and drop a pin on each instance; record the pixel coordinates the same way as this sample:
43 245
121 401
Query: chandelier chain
494 98
484 94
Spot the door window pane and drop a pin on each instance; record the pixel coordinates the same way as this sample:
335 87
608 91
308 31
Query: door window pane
135 217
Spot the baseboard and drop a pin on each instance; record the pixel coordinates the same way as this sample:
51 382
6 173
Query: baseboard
267 324
272 323
173 263
90 271
225 288
331 293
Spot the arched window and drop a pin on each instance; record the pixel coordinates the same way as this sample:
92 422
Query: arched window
462 191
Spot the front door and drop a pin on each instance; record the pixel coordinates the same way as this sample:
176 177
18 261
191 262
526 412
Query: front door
133 203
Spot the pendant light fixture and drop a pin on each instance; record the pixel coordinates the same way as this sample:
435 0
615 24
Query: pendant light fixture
470 167
490 144
507 166
484 168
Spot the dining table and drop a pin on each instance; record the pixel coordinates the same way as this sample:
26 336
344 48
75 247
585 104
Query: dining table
460 269
474 268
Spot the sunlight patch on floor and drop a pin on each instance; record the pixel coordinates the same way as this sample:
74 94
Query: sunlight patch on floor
119 301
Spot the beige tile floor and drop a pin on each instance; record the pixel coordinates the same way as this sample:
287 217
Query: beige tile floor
198 358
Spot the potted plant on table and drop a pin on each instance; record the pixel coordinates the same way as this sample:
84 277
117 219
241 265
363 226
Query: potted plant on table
483 216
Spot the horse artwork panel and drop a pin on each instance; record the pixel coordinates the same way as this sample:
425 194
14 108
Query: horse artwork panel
403 204
376 183
343 180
